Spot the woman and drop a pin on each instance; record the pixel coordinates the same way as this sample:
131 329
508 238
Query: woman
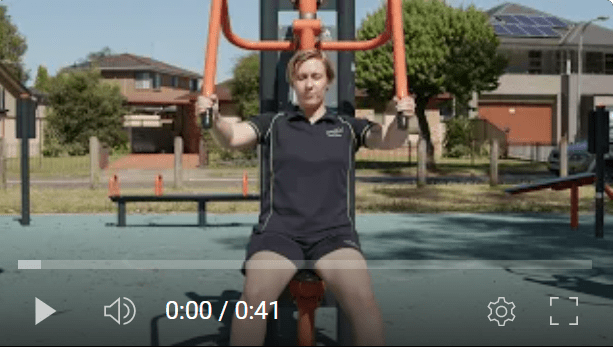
305 213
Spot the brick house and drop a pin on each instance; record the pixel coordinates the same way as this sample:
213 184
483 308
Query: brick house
160 98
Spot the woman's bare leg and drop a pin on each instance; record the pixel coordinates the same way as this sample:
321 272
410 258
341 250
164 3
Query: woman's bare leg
260 285
353 290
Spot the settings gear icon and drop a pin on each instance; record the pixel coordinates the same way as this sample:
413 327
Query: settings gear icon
502 311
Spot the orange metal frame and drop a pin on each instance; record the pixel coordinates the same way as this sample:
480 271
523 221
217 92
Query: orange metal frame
572 184
306 31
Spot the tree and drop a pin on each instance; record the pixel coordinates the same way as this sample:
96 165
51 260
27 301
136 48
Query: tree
94 56
245 85
43 81
12 47
447 50
81 106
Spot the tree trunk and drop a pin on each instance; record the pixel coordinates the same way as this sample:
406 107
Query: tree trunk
424 128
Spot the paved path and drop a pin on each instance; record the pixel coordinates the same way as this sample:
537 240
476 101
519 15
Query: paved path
433 276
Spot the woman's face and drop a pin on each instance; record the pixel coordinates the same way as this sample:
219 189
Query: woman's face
310 82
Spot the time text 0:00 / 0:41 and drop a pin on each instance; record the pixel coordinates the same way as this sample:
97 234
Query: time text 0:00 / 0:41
204 310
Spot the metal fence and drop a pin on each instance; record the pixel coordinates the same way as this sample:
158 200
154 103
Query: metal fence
73 166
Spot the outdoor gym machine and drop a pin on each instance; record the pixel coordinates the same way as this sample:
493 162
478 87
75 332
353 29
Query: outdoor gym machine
306 287
306 32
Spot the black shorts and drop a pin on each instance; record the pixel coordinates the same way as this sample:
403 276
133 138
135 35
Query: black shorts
304 251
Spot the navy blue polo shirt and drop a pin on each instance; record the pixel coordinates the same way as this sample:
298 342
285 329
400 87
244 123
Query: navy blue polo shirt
305 171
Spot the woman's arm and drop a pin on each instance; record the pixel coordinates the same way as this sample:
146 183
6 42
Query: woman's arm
233 135
388 135
227 134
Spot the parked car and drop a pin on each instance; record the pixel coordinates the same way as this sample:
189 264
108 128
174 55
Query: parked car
579 159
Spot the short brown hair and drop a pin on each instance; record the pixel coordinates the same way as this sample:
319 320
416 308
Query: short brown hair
303 55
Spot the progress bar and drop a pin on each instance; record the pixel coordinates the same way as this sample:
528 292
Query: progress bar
330 264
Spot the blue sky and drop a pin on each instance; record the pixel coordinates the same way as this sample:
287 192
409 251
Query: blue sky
60 32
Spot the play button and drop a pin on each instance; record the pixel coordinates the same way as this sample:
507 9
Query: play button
42 311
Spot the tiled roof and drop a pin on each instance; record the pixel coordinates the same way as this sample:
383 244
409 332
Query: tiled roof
131 62
512 8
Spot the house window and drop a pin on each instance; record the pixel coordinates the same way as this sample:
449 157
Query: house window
608 63
143 80
593 62
193 84
535 62
157 81
175 81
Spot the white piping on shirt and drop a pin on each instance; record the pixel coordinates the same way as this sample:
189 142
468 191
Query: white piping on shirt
349 173
272 173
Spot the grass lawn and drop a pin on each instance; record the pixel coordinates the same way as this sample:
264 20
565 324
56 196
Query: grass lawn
53 167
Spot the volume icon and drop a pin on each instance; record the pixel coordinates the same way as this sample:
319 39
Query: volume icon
109 311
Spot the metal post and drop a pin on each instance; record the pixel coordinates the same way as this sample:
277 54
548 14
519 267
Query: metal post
121 214
602 145
201 213
22 110
269 23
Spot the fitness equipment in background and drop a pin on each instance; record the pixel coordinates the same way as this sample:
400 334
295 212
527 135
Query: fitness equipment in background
306 30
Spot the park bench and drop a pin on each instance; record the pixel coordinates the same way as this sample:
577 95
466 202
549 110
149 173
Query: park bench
201 199
572 182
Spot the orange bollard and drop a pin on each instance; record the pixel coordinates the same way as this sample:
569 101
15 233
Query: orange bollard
159 186
245 183
308 296
114 186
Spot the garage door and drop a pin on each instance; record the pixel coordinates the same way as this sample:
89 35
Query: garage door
524 124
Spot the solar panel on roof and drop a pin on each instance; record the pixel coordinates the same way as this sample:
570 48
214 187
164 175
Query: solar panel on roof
556 22
541 21
516 30
501 30
549 32
509 19
524 20
532 30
